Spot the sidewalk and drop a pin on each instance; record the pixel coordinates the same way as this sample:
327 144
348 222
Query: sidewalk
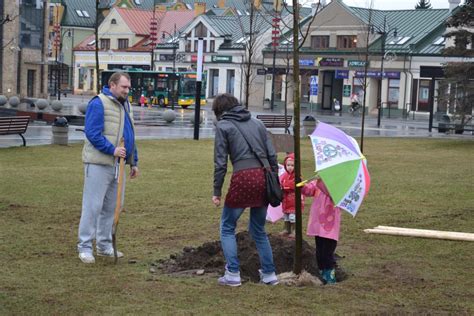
150 125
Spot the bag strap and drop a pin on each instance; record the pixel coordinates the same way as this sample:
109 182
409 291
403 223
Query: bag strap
249 143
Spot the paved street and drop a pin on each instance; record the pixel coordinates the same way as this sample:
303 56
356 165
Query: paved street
150 125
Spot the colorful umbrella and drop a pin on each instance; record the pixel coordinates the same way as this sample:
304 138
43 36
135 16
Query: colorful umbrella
341 166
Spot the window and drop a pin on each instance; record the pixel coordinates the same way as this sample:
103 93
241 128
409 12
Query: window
319 42
400 40
200 30
230 81
187 48
114 21
439 41
79 13
347 41
393 91
86 14
212 47
105 43
214 82
195 45
122 43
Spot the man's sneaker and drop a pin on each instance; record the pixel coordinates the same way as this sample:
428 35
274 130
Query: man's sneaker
230 279
268 278
86 257
109 253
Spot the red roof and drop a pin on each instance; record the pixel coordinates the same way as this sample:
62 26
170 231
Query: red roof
139 20
139 23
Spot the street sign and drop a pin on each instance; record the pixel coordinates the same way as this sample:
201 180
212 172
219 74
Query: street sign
356 63
341 74
313 85
346 91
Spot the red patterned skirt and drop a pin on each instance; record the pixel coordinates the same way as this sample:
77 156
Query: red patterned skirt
247 189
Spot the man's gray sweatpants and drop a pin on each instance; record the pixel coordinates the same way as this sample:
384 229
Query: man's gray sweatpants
98 206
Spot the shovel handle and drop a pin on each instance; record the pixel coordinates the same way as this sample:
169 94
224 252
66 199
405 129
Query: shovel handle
118 205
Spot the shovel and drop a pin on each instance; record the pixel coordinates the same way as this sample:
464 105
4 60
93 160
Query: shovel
118 205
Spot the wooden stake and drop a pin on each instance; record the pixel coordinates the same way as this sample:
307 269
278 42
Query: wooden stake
424 233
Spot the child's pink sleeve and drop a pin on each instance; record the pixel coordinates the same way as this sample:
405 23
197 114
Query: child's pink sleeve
309 189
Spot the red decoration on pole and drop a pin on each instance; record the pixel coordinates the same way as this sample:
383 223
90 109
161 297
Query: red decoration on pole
153 31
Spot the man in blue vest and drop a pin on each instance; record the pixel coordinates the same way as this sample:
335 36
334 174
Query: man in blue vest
108 118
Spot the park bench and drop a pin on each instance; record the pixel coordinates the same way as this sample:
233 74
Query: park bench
275 121
281 142
14 125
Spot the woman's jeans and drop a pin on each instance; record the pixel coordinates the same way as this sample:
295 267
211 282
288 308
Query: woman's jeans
229 220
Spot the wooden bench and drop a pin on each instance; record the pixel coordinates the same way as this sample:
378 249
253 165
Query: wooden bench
281 142
14 125
276 121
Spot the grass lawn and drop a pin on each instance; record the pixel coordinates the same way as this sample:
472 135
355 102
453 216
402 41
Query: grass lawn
417 183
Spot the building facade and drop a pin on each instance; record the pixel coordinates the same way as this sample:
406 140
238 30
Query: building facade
23 56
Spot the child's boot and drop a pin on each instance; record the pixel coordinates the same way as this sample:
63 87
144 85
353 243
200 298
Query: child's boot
329 276
291 235
286 231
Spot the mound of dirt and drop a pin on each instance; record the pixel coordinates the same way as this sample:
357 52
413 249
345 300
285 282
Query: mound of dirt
210 258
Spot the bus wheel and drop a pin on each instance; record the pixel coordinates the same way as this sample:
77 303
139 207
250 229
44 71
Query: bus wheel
161 101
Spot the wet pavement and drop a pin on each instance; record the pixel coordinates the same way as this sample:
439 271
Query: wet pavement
151 125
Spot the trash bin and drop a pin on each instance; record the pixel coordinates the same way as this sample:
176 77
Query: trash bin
266 104
309 124
443 125
60 130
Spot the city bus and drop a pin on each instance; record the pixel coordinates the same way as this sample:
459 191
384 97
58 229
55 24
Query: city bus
159 87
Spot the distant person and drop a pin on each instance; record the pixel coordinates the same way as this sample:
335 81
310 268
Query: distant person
142 100
355 103
108 119
324 224
247 185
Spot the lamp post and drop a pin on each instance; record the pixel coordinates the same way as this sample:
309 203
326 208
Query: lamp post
58 43
173 41
275 43
383 33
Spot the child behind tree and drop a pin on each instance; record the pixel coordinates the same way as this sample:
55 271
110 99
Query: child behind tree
287 182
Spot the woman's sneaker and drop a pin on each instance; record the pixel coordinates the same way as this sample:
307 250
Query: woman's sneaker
268 278
230 279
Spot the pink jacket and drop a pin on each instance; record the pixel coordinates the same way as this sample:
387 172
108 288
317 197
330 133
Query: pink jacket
324 218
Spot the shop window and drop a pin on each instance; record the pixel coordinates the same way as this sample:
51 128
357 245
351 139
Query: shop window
347 41
213 82
230 81
393 91
318 42
423 95
358 88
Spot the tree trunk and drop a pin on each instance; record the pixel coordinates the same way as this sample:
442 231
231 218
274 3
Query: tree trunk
96 30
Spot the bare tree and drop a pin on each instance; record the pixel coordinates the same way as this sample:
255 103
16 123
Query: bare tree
96 31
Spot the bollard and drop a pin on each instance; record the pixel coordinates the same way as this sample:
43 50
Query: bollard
60 130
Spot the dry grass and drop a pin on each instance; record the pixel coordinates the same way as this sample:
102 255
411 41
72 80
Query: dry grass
415 183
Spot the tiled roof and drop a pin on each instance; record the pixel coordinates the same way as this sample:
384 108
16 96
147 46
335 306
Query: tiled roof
138 20
71 16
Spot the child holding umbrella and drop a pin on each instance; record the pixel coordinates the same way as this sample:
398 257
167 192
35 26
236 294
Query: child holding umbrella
324 224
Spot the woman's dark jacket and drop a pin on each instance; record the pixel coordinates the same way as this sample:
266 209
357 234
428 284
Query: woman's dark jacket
230 142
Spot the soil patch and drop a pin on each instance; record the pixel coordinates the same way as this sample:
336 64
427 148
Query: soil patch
210 258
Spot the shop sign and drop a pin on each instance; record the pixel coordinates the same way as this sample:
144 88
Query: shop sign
220 59
306 62
331 62
346 91
194 58
341 74
261 71
356 63
377 74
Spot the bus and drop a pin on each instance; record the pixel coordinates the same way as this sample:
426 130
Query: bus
159 87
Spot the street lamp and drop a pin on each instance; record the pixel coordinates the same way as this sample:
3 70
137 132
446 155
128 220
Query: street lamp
58 43
175 44
383 31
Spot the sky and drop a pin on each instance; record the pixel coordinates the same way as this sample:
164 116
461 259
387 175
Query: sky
395 4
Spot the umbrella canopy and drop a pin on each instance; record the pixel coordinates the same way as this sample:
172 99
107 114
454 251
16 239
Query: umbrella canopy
341 166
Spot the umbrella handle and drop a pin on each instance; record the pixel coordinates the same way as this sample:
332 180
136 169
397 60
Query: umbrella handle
302 183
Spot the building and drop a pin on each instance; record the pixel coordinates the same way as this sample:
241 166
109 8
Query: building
348 44
23 30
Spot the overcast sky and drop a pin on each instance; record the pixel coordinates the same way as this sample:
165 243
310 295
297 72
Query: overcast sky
395 4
